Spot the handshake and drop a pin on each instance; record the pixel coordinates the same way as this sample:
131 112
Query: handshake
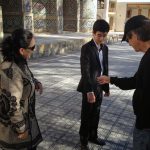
103 79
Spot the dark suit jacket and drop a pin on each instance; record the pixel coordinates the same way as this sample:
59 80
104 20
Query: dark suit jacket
91 68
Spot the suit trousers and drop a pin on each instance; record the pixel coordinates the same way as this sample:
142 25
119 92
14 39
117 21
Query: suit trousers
90 114
141 139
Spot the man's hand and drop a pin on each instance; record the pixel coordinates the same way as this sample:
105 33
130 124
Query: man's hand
103 79
39 87
91 97
23 135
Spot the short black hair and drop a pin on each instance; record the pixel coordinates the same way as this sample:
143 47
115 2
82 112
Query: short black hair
20 38
101 25
138 24
143 33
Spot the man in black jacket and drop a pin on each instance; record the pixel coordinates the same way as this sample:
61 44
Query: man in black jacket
137 34
94 62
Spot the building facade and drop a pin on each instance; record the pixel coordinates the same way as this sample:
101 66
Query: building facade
51 16
58 16
117 12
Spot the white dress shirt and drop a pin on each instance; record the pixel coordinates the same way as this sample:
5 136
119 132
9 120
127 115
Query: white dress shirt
100 52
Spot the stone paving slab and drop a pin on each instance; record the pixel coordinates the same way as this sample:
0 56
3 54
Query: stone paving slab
58 108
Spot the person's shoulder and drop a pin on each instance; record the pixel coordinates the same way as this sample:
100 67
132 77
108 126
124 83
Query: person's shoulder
88 44
146 57
17 69
105 45
9 70
5 65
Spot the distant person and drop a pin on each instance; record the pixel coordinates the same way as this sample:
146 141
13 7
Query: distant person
137 34
19 129
94 62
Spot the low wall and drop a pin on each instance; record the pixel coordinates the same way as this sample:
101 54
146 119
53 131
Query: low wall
49 45
57 47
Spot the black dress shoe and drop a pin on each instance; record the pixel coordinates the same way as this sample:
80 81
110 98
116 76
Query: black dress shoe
84 147
98 141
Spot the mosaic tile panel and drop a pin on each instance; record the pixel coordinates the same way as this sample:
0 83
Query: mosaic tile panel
86 25
27 6
12 22
1 26
43 11
12 15
70 15
12 6
44 7
59 16
1 1
88 9
88 14
28 22
70 25
44 25
70 8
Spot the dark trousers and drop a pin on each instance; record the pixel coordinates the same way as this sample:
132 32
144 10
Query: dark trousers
90 113
34 148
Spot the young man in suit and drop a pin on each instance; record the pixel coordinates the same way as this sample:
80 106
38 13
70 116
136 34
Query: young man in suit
94 62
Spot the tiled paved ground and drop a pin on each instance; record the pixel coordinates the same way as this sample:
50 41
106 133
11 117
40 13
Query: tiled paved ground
58 109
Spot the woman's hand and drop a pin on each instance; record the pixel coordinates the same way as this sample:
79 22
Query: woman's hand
106 94
23 135
39 87
103 79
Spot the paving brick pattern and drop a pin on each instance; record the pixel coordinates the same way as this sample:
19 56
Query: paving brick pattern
58 108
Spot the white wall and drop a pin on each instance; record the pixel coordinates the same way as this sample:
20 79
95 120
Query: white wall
120 17
100 14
